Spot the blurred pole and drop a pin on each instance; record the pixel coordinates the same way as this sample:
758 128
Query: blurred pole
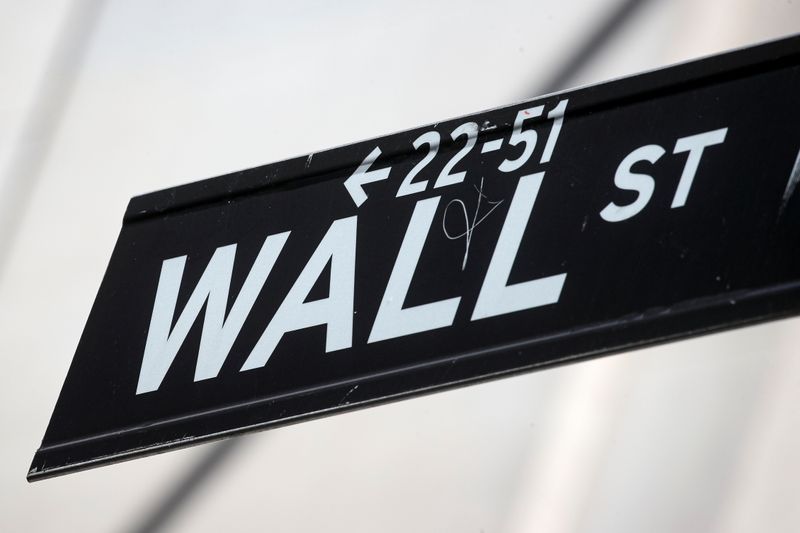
42 122
591 46
159 517
219 452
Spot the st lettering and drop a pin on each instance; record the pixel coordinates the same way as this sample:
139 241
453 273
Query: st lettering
644 185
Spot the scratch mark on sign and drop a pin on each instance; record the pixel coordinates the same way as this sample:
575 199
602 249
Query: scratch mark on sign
791 185
352 389
470 226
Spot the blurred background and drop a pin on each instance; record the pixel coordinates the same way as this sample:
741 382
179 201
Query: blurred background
101 100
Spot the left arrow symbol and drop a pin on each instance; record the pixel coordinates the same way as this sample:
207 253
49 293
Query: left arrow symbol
364 175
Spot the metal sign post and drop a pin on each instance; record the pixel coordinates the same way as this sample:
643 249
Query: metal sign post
571 226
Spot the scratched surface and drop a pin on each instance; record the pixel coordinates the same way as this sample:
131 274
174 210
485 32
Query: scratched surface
727 256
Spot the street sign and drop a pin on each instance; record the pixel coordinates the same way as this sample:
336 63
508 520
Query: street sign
571 226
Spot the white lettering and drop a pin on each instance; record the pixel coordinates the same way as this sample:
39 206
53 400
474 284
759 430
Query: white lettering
631 181
336 311
392 320
218 332
694 144
498 298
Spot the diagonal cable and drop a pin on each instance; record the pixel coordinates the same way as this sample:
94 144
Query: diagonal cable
185 488
42 122
591 46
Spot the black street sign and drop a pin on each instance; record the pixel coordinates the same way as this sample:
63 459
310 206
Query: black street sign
574 225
